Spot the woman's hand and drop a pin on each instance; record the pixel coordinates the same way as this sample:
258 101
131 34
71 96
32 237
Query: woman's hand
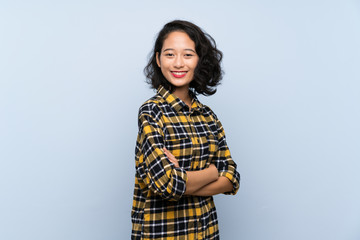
202 182
213 169
171 157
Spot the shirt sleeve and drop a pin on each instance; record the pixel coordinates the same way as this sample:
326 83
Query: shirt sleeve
223 160
152 166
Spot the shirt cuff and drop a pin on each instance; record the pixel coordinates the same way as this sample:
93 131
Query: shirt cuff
233 179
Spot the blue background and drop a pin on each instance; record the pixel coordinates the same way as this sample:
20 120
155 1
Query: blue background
71 83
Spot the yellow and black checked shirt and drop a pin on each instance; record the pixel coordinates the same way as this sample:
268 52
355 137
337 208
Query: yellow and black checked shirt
196 138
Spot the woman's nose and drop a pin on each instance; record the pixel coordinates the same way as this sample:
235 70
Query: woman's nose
179 62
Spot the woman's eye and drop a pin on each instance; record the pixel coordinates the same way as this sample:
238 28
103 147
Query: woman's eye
189 55
169 54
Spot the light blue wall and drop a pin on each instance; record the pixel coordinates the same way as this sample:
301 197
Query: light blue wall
71 83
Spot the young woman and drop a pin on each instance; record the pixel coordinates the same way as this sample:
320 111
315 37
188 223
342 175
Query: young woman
182 158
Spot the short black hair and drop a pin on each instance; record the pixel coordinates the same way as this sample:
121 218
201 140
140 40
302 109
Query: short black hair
208 72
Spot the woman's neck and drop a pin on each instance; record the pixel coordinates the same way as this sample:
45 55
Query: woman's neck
183 94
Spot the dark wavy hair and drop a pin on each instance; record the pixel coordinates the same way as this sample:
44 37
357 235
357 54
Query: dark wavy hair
208 72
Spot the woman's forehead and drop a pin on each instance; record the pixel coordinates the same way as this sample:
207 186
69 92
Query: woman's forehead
178 41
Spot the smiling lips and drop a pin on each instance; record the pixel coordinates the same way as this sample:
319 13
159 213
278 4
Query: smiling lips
178 74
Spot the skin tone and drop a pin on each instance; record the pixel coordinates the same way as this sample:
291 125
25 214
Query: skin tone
178 60
203 182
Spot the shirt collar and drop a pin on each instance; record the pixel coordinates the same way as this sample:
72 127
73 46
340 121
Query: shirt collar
176 102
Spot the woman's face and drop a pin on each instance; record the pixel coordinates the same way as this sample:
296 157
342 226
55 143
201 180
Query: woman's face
178 59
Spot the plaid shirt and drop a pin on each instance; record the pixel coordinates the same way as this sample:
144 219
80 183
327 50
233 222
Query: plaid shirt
197 139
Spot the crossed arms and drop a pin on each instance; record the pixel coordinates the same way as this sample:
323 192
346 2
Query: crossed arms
158 170
204 182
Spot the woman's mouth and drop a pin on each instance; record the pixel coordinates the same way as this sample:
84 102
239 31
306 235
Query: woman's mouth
178 74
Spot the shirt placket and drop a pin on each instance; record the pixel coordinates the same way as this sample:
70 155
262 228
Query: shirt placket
196 155
194 139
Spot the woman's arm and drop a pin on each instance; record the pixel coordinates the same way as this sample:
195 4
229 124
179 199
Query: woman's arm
195 179
221 185
198 179
223 160
154 172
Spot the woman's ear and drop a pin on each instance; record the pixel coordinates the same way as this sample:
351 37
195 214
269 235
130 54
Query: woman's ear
157 59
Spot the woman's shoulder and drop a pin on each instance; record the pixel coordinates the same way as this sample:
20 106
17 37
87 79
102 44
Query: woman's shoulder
151 106
207 111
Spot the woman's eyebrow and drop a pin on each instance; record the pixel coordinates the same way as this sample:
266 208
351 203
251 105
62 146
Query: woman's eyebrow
186 49
189 49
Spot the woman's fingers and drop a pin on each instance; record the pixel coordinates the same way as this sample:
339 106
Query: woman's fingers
171 157
168 153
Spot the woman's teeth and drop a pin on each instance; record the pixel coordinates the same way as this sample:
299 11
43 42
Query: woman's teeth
179 73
